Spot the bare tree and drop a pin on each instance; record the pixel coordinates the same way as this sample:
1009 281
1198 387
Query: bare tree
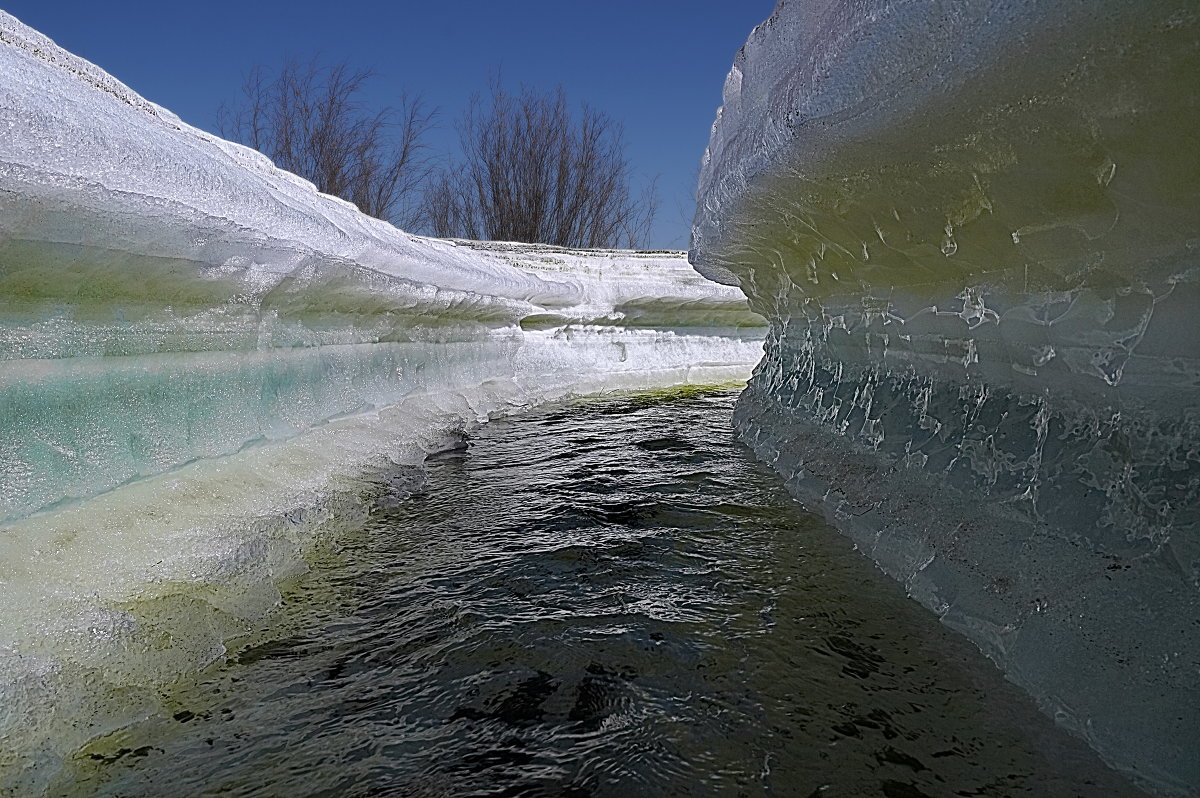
310 120
532 172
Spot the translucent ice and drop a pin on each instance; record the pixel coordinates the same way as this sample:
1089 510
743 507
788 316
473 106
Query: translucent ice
974 228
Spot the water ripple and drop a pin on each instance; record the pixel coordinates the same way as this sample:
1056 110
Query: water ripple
609 600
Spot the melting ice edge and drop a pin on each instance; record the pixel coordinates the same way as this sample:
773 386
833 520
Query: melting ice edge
973 227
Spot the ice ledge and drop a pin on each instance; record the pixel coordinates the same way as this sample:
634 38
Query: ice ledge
973 227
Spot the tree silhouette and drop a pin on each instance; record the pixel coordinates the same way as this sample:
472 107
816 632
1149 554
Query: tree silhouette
532 172
310 120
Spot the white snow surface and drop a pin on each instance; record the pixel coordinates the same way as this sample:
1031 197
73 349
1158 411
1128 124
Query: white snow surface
77 135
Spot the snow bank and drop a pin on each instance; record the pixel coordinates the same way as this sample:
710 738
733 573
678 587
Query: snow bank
974 228
200 355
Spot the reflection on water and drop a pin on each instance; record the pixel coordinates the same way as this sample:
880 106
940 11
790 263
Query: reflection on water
607 599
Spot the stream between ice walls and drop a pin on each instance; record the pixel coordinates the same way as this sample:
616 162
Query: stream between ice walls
199 353
974 229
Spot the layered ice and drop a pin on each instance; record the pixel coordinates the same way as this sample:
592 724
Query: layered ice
200 359
974 228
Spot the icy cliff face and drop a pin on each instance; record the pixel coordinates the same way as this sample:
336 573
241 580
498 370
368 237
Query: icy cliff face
200 355
975 230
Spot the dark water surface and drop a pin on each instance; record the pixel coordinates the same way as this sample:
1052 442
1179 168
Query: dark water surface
606 599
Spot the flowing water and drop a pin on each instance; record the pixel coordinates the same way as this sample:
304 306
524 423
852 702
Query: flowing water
610 598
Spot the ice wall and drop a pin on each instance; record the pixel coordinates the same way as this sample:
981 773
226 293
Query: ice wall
201 360
974 227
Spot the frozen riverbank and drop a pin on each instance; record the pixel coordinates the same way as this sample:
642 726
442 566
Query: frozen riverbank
974 228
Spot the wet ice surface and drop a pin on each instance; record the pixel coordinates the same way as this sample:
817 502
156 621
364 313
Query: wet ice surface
973 227
611 598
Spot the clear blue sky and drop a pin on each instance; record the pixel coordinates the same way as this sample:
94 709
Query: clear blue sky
656 65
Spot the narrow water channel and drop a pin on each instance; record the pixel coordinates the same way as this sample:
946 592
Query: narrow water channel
610 598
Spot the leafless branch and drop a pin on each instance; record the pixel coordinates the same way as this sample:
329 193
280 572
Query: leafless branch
532 172
309 119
